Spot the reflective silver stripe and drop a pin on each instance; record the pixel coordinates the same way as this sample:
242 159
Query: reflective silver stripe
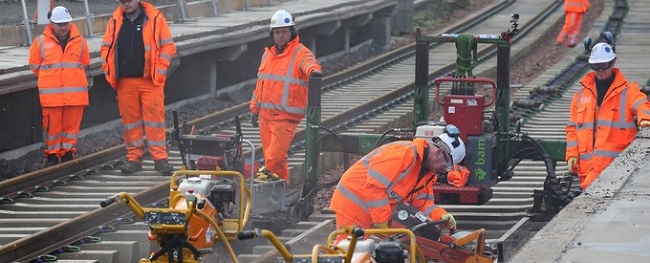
570 144
67 145
133 125
137 143
166 41
83 48
71 136
352 197
424 196
106 44
165 56
153 124
54 147
599 153
622 106
430 208
44 91
286 80
147 47
571 123
156 143
381 177
373 173
296 110
408 170
638 103
34 66
162 71
618 124
646 112
585 126
61 65
52 138
606 153
40 43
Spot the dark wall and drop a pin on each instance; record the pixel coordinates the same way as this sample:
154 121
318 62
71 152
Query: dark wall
20 112
20 118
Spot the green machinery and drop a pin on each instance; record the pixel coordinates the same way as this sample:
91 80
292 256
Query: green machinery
494 144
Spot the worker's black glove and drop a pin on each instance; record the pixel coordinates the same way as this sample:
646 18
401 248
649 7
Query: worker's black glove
254 120
316 74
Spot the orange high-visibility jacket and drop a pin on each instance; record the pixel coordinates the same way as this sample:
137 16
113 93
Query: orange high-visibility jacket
158 45
61 74
387 176
283 82
577 6
596 135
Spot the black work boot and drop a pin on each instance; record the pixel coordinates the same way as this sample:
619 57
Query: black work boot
163 166
131 167
67 157
52 159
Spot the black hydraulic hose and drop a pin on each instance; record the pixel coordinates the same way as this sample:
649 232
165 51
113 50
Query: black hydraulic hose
551 183
305 197
346 157
380 141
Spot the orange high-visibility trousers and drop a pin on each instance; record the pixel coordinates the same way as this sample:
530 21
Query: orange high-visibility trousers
61 129
571 29
276 138
141 103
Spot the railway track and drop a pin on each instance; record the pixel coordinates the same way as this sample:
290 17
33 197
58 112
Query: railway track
54 207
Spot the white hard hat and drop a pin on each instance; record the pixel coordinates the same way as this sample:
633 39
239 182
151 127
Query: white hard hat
281 18
60 14
456 145
601 53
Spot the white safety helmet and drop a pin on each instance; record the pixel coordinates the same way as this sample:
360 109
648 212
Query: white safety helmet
60 14
456 145
281 18
601 53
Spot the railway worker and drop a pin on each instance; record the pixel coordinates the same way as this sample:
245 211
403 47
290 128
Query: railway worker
138 39
280 96
602 121
574 11
60 57
397 172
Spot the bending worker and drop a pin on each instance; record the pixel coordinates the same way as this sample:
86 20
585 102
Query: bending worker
397 172
602 121
60 57
139 41
574 11
280 96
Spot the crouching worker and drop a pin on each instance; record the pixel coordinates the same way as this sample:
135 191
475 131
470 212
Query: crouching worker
397 172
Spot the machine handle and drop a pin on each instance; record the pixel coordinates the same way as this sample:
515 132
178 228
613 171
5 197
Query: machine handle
246 234
107 202
466 79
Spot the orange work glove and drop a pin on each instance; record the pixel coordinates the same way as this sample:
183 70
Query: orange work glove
458 176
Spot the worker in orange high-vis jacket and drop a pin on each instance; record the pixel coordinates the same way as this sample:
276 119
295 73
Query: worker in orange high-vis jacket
136 52
280 96
602 121
60 57
397 172
574 11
